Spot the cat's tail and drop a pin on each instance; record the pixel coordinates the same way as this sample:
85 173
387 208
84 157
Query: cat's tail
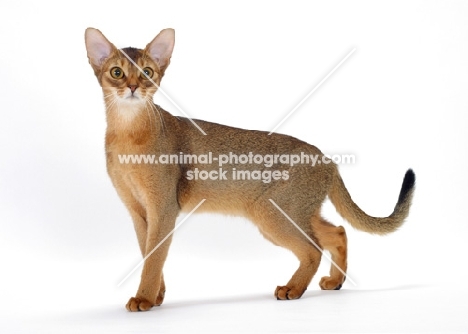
346 207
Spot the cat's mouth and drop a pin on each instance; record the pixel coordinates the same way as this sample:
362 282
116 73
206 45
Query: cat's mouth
132 95
132 98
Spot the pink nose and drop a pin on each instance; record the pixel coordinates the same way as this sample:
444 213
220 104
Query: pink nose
133 88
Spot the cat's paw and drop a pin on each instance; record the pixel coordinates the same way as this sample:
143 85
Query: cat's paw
328 283
287 293
160 298
138 304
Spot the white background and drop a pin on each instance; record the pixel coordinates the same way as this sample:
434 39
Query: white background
399 101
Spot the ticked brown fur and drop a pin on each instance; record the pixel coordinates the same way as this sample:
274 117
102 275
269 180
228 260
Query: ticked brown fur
155 194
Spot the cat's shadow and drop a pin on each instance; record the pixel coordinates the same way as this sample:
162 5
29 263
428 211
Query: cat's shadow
116 313
312 294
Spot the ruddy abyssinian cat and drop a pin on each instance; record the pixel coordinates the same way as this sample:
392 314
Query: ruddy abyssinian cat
156 193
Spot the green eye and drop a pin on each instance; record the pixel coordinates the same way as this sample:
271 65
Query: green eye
148 71
116 72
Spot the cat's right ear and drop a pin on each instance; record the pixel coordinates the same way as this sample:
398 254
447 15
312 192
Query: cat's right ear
98 48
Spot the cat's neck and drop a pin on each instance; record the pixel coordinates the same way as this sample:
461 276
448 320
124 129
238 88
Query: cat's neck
133 123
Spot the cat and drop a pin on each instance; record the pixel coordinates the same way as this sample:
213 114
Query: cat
156 193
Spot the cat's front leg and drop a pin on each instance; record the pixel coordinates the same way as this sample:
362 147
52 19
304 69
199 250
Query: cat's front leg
136 304
162 292
158 241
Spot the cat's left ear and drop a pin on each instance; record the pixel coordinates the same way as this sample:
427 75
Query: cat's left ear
98 48
160 48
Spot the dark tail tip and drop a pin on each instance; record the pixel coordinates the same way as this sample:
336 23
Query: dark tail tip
407 186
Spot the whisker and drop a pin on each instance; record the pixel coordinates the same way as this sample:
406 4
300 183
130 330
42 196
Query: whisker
163 124
152 121
149 118
155 108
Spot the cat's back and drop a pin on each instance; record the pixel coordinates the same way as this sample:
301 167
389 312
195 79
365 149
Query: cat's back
227 139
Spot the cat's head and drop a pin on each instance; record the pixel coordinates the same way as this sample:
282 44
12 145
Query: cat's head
129 75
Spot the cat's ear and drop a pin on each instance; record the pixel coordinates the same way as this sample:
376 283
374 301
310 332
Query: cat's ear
160 48
98 48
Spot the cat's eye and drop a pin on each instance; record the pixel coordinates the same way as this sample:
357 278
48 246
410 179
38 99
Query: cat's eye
116 72
148 71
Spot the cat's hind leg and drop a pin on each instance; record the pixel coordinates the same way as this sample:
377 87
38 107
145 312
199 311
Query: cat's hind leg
309 258
282 233
332 238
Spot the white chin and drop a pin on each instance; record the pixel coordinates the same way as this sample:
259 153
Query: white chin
133 99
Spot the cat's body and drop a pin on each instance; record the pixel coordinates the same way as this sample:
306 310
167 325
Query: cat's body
155 194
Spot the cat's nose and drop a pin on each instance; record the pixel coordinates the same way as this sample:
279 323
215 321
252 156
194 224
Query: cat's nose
132 88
